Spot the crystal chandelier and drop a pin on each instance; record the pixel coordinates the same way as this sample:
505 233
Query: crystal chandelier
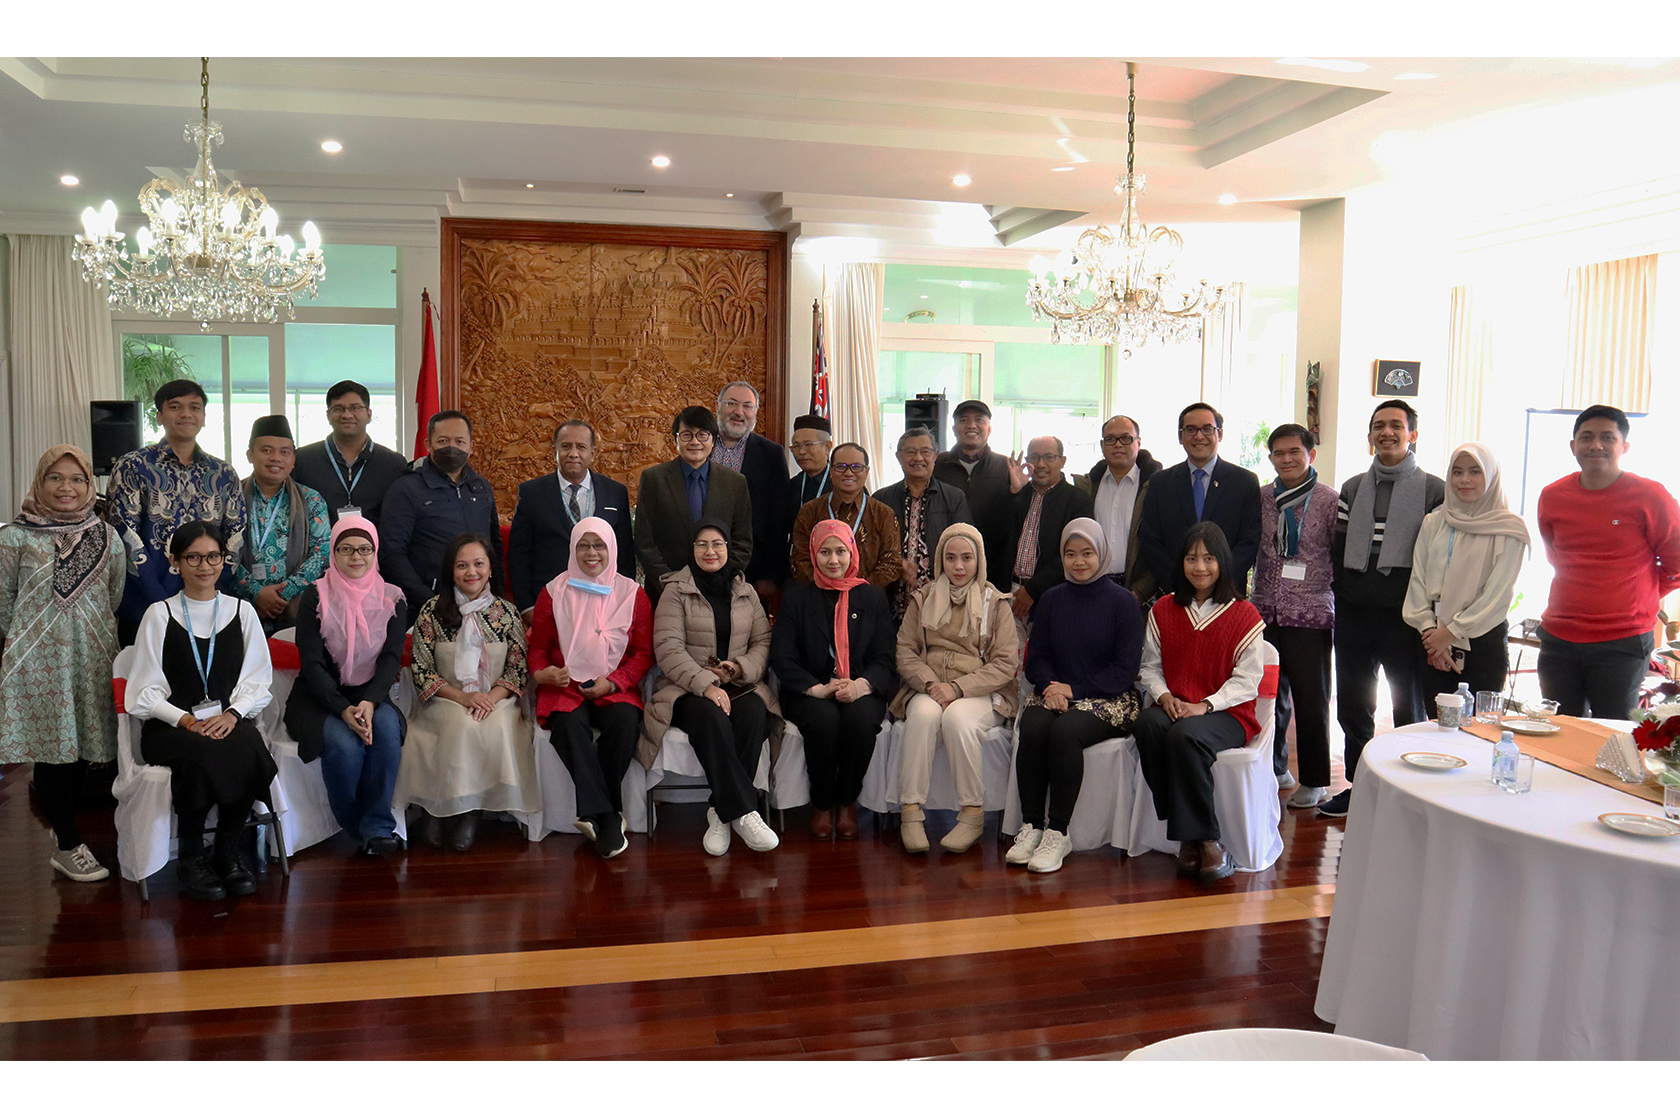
207 251
1117 287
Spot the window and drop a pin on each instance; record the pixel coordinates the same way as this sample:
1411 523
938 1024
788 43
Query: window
319 355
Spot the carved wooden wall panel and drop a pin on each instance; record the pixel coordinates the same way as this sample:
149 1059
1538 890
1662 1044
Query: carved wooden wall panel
622 326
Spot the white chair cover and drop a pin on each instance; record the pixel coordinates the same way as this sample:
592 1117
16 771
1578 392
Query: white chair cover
145 818
881 785
1269 1044
792 785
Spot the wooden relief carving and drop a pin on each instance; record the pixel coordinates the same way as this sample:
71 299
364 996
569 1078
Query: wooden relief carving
623 335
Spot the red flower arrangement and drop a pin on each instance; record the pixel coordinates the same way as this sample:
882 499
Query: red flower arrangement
1659 728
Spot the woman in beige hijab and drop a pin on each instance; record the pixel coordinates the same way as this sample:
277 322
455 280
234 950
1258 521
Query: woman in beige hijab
958 658
1464 573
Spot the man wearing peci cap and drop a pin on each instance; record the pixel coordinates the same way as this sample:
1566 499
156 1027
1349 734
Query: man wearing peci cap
813 439
988 480
285 544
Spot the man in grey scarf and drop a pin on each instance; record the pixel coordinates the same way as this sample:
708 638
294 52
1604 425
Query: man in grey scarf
1377 521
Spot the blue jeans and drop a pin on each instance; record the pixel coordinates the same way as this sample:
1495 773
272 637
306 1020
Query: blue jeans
361 778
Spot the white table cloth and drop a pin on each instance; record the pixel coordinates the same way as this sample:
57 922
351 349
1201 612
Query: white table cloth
1268 1044
1473 923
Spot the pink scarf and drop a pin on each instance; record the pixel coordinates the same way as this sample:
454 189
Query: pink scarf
842 608
593 627
355 612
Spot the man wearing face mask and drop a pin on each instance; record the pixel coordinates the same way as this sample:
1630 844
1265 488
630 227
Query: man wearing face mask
541 536
432 504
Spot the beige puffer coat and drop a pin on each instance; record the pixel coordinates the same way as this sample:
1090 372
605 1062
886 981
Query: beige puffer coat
992 672
685 635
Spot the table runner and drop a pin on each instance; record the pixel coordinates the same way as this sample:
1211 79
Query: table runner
1573 749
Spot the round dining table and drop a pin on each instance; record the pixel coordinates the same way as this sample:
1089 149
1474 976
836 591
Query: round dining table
1472 923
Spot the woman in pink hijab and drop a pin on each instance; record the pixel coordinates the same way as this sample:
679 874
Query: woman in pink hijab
350 641
591 645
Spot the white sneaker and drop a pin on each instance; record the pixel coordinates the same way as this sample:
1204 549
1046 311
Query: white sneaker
79 864
1306 797
1286 782
1051 851
1026 843
754 832
716 842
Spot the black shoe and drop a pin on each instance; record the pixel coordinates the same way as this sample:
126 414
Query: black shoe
230 869
198 881
1337 806
381 846
464 829
432 831
1208 876
610 840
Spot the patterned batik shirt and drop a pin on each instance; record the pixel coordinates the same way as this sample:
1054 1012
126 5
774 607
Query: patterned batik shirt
915 548
271 552
152 494
731 457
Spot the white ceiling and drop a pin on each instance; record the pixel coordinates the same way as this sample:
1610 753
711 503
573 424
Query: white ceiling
830 145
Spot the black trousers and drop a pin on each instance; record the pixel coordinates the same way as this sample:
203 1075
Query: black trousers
839 742
1366 641
1304 657
728 747
1484 668
1050 762
56 787
230 822
1177 757
597 766
1596 678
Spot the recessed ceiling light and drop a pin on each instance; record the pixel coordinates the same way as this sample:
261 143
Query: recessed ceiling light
1340 65
331 147
965 283
68 180
730 194
960 180
922 297
1227 199
1061 169
1413 76
661 161
530 186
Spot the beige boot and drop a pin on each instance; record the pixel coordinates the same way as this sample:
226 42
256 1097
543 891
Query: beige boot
910 830
971 822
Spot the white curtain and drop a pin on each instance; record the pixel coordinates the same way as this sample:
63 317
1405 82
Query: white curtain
64 354
1469 363
1223 338
856 329
1612 306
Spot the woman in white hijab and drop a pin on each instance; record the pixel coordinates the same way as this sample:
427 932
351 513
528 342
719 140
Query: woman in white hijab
1464 574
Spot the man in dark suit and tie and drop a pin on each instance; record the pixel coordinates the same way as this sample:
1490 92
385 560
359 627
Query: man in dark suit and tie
764 463
1042 510
540 541
674 495
1202 488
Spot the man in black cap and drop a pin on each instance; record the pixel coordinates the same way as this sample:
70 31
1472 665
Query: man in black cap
989 481
285 545
349 470
813 439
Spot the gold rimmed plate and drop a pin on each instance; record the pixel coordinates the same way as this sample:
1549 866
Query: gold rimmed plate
1430 760
1641 824
1526 726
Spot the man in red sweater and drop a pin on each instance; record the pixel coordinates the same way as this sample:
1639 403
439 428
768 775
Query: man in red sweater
1614 541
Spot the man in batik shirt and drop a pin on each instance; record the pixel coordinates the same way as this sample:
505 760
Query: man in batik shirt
925 508
289 527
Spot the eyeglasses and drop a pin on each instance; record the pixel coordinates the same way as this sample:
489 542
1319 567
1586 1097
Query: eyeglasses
585 546
848 468
916 453
694 437
362 550
710 546
808 444
346 409
1118 441
1204 430
56 479
1047 457
203 559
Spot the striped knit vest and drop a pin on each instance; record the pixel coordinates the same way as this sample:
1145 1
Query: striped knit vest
1197 658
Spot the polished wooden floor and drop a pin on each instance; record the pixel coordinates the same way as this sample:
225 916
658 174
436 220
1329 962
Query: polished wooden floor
518 950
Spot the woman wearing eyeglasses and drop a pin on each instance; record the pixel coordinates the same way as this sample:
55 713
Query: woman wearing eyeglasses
61 578
873 524
350 639
201 674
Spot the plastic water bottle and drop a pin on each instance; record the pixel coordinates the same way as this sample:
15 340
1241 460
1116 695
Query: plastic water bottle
1505 760
1469 698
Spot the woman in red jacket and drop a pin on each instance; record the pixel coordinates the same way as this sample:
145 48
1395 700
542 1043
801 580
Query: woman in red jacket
591 644
1202 665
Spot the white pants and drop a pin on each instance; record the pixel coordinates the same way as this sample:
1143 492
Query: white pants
962 725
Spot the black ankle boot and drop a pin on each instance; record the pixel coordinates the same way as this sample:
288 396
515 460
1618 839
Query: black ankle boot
197 880
231 870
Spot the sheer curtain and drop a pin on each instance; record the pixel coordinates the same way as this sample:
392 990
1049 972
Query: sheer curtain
64 353
857 341
1612 306
1223 337
1469 360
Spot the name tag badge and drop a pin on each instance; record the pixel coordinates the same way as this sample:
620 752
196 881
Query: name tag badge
259 572
349 511
207 710
1295 571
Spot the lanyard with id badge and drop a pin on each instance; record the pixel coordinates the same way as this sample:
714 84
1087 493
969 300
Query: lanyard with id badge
259 566
208 708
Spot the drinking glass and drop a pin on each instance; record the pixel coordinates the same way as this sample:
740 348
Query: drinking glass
1671 802
1490 707
1541 709
1522 777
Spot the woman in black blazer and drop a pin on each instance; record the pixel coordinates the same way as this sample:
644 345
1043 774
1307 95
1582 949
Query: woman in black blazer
835 680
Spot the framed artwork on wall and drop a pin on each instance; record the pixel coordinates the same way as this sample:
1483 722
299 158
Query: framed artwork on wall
1395 379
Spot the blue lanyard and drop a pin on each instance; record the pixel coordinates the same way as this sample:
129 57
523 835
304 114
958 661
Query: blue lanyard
215 619
353 481
268 529
863 503
1452 535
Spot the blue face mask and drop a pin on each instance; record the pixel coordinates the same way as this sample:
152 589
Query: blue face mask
591 588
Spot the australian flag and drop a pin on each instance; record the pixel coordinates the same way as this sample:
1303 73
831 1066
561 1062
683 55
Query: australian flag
819 363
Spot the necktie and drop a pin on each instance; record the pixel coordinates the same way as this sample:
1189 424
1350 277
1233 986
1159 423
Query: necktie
696 500
572 504
1200 490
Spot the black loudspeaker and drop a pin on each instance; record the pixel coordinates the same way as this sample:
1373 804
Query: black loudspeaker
931 411
116 431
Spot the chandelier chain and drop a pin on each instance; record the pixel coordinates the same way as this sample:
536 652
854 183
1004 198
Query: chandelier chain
204 88
1131 113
